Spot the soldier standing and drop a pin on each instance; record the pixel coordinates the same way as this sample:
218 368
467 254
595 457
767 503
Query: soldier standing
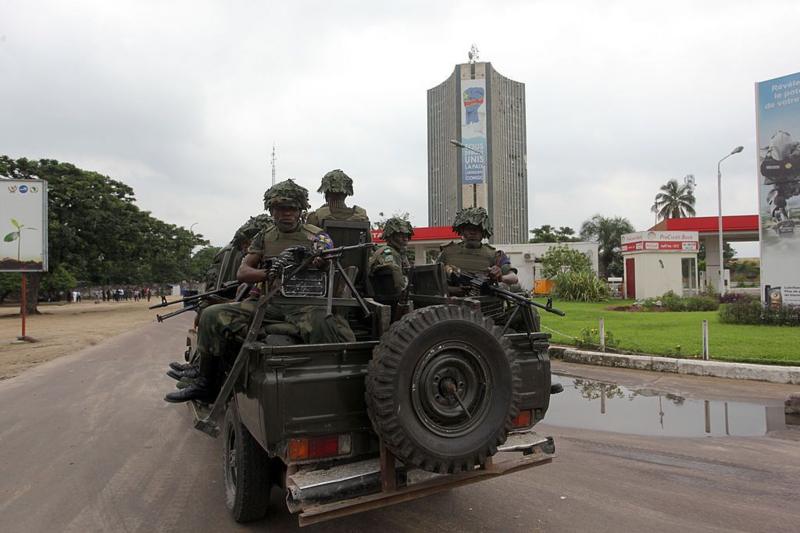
336 186
223 327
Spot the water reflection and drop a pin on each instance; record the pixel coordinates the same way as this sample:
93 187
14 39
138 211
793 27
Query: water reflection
605 406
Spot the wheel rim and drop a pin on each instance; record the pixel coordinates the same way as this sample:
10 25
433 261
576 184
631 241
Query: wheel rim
230 462
451 389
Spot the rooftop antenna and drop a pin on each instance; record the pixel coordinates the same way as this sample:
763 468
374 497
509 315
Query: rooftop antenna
473 53
689 182
272 161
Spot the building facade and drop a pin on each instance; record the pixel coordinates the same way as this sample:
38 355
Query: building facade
485 111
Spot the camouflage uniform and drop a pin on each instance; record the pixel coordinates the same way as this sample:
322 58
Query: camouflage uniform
337 181
223 327
387 261
471 260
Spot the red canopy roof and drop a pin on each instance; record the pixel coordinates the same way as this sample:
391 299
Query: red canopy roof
435 233
730 223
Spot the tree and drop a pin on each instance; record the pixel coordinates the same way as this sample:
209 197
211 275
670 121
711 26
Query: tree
201 262
548 233
560 258
98 233
607 232
57 281
10 282
674 201
383 218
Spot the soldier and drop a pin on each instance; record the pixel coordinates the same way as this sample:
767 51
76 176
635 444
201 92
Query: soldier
389 264
337 186
223 327
224 266
471 254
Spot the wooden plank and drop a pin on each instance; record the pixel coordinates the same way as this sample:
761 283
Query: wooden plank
388 473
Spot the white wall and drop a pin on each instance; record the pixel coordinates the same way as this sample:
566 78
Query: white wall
657 273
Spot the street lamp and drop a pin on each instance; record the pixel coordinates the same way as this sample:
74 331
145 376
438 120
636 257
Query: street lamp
474 186
719 204
464 146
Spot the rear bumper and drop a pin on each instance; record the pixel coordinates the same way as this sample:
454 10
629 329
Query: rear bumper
322 494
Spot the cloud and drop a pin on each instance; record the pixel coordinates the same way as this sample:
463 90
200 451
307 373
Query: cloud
183 100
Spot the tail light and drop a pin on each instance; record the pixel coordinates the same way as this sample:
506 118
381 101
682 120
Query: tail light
319 447
522 420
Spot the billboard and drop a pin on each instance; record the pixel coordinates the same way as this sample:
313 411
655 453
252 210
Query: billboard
23 226
778 137
473 131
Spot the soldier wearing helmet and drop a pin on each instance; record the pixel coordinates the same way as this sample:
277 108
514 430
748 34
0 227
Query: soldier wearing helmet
471 254
336 186
223 327
389 264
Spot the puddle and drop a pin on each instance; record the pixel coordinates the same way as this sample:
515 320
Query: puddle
607 407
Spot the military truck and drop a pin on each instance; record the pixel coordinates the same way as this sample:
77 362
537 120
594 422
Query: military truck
420 403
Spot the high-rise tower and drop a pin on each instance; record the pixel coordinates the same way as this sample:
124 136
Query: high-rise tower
485 111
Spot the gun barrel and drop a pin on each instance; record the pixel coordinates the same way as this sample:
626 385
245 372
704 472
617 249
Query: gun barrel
225 287
162 318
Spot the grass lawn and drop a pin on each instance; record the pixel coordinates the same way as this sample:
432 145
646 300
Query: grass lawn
675 334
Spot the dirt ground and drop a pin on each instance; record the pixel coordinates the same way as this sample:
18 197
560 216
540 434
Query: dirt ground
62 329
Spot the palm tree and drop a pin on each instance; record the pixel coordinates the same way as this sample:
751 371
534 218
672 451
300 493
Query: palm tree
674 201
607 232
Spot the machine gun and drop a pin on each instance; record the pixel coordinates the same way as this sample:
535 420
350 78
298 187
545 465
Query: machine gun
193 301
487 287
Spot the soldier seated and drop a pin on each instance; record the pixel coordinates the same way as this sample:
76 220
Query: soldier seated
223 327
336 186
389 264
471 254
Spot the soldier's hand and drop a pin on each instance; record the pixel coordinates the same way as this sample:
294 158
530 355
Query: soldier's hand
495 273
318 263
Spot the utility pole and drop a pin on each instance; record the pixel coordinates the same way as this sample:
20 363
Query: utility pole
272 161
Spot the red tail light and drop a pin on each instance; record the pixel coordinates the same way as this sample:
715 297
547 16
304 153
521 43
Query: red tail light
319 447
523 419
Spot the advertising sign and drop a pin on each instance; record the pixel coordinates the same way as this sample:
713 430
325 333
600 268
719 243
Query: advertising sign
23 226
778 136
473 131
675 241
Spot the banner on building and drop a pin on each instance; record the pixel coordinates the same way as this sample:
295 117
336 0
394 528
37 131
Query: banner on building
473 131
778 137
23 225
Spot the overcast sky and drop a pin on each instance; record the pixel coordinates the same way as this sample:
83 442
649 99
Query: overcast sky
183 100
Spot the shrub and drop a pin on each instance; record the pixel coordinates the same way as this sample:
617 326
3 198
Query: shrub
580 286
590 338
559 259
751 311
672 302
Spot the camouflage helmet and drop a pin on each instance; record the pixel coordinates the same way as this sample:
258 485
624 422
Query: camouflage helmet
476 216
249 229
336 181
396 225
286 193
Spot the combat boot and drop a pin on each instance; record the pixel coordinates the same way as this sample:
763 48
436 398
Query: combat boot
192 372
180 367
200 390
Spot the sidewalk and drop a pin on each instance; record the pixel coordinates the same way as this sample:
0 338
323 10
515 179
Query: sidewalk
771 373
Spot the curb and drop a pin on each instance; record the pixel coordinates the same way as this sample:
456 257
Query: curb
717 369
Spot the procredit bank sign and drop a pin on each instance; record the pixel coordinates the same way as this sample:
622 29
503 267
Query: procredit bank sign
665 241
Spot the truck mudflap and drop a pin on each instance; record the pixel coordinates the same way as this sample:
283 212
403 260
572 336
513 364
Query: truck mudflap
323 494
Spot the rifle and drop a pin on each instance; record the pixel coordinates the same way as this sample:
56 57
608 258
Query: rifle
226 286
488 287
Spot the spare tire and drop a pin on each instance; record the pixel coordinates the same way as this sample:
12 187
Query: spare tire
443 388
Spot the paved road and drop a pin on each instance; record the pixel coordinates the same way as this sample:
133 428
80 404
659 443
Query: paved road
87 444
